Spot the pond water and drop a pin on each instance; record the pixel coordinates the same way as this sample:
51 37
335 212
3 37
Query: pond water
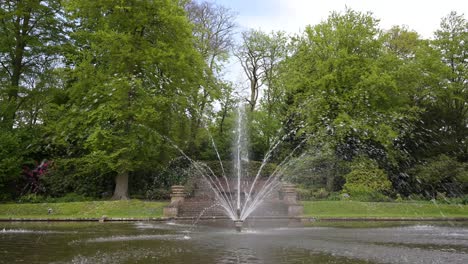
153 242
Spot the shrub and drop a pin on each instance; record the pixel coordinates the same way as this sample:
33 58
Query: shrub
70 197
366 181
158 194
442 174
304 194
66 176
32 198
334 196
321 193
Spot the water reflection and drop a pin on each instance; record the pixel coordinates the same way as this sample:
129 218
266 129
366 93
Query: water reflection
171 243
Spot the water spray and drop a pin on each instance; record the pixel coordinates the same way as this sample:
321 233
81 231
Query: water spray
238 222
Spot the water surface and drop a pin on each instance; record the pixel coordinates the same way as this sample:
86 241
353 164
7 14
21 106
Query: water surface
151 242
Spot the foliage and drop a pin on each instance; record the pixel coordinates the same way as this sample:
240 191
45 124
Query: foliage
367 181
108 89
309 194
32 32
38 198
317 168
442 174
81 176
341 85
158 194
33 176
32 198
133 62
10 161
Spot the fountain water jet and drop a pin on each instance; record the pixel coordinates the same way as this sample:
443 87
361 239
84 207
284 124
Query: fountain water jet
245 199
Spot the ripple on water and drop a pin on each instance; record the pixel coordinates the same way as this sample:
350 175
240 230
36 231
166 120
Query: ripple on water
28 231
149 226
135 238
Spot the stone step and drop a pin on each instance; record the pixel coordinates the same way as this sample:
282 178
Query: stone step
196 208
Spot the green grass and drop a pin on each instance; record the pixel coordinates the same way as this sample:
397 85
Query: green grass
92 209
351 209
318 209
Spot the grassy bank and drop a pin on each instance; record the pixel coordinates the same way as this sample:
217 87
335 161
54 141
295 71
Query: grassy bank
318 209
352 209
93 209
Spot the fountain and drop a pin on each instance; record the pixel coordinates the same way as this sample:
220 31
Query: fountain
239 198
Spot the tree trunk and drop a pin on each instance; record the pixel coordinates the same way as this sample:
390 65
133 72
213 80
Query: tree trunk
121 187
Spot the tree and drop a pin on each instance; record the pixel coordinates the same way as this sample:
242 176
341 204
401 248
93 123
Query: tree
260 55
340 85
213 28
133 65
32 31
451 40
251 54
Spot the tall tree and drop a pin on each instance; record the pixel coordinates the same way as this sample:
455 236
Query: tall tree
340 86
213 28
31 32
251 53
133 65
451 40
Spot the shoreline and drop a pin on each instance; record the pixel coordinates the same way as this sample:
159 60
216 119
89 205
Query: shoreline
304 219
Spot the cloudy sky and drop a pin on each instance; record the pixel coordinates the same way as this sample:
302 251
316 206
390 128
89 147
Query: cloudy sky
292 16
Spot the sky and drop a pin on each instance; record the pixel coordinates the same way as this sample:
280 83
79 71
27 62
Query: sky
292 16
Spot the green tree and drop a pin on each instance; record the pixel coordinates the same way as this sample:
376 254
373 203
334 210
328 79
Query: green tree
260 55
213 28
340 85
450 108
32 31
133 65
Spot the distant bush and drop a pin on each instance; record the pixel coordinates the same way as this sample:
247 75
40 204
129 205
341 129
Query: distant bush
335 196
37 198
320 193
366 181
70 197
32 198
158 194
304 194
66 176
442 174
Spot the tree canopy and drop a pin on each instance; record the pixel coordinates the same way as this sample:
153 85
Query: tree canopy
100 98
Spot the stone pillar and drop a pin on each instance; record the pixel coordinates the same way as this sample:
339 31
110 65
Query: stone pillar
177 193
177 197
290 199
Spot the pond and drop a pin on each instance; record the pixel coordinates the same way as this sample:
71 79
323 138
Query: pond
170 242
